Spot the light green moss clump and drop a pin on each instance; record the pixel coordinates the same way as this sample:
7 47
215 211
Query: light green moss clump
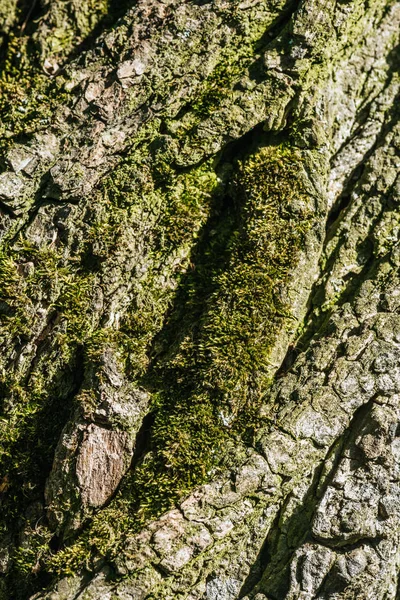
13 300
8 16
218 342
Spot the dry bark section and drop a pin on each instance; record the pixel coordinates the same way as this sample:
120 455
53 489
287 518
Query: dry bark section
202 212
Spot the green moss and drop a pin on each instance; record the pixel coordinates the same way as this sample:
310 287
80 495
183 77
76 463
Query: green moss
229 251
27 558
69 23
35 404
219 84
27 96
13 300
210 364
100 540
64 287
8 15
74 305
167 210
211 379
171 209
216 89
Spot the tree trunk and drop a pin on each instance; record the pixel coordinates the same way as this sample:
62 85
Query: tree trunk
199 298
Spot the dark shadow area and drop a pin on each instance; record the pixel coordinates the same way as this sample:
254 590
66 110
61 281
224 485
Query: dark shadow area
142 439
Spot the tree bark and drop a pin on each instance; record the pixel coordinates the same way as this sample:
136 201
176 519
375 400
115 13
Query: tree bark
199 298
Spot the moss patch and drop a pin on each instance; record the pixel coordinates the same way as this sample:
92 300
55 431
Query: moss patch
28 97
210 362
212 376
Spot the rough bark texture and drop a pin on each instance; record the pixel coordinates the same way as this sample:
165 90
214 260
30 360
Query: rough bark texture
199 300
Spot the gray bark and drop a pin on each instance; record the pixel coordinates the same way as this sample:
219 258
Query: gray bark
200 340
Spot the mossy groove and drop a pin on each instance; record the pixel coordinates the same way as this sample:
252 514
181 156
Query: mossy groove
210 380
208 375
